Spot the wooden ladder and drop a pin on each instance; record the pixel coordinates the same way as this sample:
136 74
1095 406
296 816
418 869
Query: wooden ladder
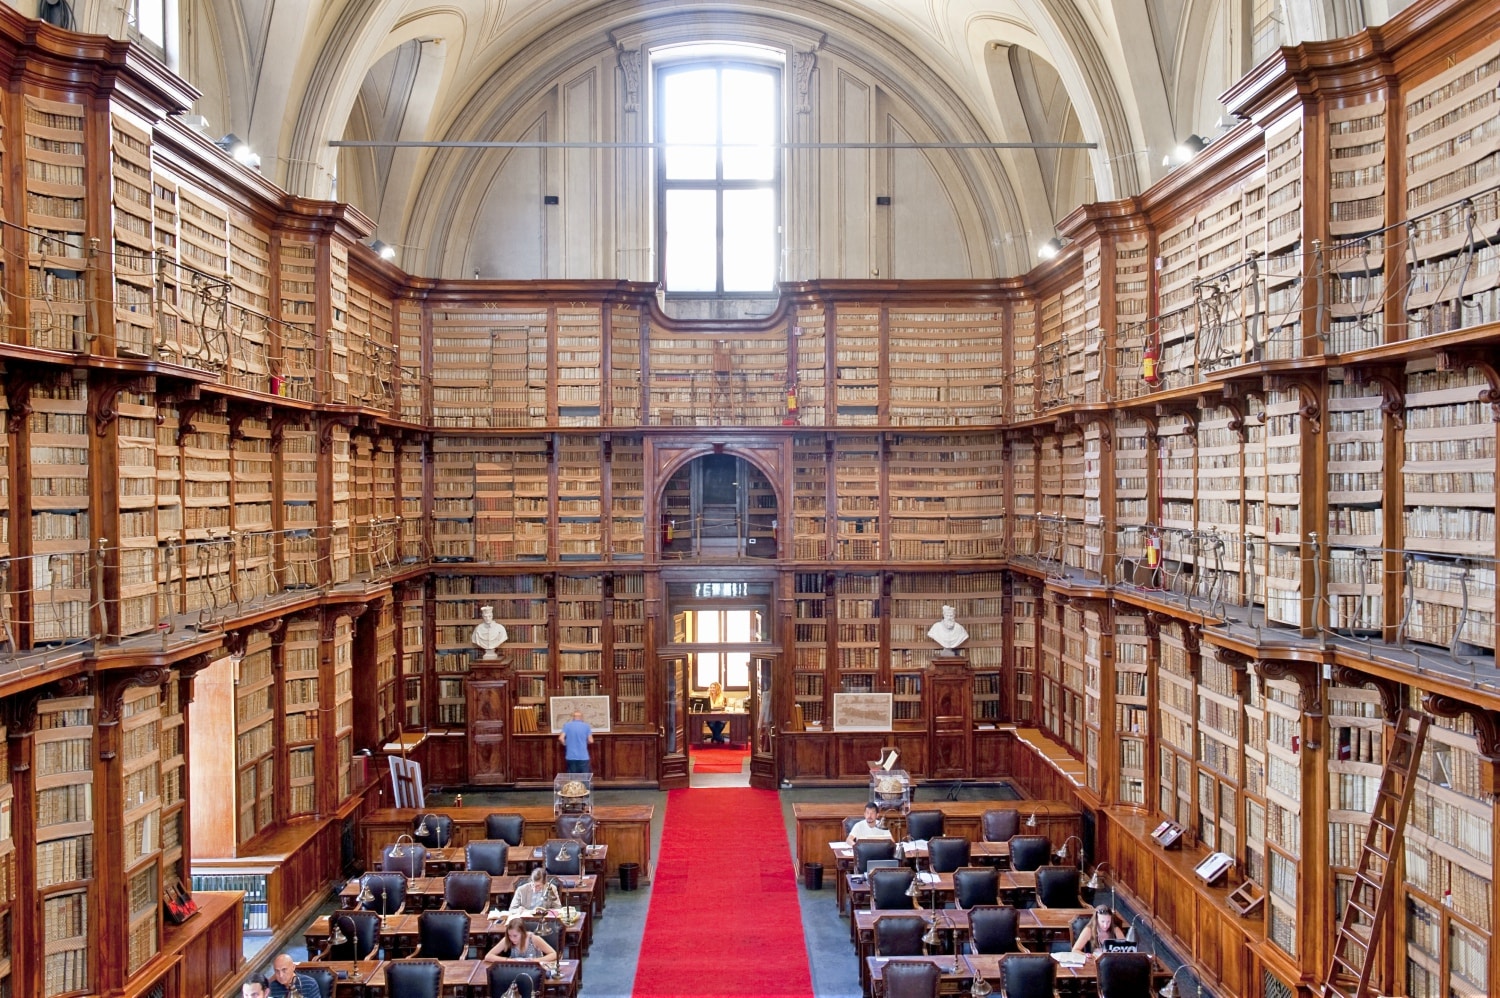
1351 962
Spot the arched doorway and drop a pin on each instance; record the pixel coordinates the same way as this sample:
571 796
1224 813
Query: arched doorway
718 507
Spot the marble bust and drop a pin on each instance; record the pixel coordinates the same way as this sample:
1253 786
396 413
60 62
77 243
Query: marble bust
488 634
948 632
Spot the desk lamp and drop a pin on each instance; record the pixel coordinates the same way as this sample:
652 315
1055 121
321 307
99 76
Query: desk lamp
400 850
1062 850
336 937
422 829
1031 821
1170 991
980 988
365 894
1098 882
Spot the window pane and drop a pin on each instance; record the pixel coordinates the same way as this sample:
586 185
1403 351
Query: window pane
749 120
706 671
737 676
739 626
690 107
710 626
749 240
691 241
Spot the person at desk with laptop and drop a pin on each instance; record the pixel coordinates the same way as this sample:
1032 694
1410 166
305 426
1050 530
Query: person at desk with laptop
1105 932
869 826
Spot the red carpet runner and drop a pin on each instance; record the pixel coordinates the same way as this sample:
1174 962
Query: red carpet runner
724 918
719 760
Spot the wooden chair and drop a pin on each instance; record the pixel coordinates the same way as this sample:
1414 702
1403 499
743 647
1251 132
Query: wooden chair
487 855
1124 975
993 928
1000 824
467 891
414 979
976 885
924 824
509 827
911 979
443 935
1029 975
899 935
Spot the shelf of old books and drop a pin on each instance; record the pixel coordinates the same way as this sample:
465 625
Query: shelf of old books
1355 428
627 636
1283 267
455 612
341 477
387 717
1132 722
174 781
134 245
412 609
1448 479
456 470
170 327
1074 504
1175 334
810 648
56 195
1220 506
1132 459
478 373
1282 702
135 442
625 365
810 455
412 456
531 461
1073 683
203 233
1452 199
301 707
1023 497
1023 319
8 857
1024 606
336 338
1094 652
580 497
1049 666
297 471
409 322
1049 479
1051 352
627 498
857 362
522 604
1174 726
361 502
255 738
64 857
580 638
297 288
1219 751
141 779
811 388
384 507
253 494
857 461
945 368
580 360
1253 834
1355 260
857 610
343 706
1355 758
250 303
59 466
1449 866
1283 508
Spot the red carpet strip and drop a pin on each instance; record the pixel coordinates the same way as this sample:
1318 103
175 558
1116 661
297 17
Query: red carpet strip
724 919
719 760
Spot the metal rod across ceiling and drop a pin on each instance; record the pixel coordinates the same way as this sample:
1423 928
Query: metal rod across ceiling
477 144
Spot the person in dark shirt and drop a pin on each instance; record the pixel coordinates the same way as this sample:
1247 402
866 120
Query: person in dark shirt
285 982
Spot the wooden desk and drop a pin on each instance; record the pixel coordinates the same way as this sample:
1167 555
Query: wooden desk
1070 980
398 934
996 854
1012 883
349 975
425 893
818 825
736 725
462 978
625 829
954 980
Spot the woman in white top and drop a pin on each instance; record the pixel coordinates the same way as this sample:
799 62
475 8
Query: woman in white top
519 943
535 893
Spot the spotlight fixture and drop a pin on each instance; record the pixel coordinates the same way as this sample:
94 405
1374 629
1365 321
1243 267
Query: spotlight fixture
1052 247
239 149
1185 150
385 250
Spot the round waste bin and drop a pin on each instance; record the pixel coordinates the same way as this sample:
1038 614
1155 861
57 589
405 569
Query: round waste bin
630 876
812 876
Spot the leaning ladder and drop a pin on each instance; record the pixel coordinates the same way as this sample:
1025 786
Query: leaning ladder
1352 960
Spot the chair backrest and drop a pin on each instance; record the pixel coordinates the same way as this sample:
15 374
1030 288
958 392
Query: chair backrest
412 861
432 830
389 890
992 928
1124 975
888 888
911 979
1029 975
509 827
361 931
1000 824
487 855
414 979
1057 887
1076 925
549 929
849 824
562 857
525 975
322 976
882 864
467 891
947 853
1027 852
578 827
868 849
976 885
444 935
924 824
899 935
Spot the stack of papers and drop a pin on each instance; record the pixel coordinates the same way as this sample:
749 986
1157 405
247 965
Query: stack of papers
1068 958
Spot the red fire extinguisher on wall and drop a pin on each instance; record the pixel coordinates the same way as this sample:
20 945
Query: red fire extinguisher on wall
668 531
790 419
1151 361
1153 553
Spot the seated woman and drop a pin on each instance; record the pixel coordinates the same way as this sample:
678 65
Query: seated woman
716 702
1104 925
535 893
519 943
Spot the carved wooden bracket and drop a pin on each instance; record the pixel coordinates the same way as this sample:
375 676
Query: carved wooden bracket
325 431
1457 360
1106 435
1152 431
1390 691
238 415
1189 414
1305 675
18 388
280 422
111 700
19 712
1237 423
1309 408
1486 722
189 411
330 620
1192 638
106 410
1392 394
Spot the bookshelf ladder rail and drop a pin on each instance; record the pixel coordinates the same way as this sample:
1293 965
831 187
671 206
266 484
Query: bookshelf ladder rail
1351 962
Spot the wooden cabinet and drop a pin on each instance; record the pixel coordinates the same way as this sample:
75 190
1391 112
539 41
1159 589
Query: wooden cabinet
488 700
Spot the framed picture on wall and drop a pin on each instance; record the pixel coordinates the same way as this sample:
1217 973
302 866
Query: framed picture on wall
862 711
595 711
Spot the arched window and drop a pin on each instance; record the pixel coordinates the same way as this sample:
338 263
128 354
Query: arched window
718 176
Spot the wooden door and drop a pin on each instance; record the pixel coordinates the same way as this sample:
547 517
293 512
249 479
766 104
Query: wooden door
673 730
488 703
763 771
948 707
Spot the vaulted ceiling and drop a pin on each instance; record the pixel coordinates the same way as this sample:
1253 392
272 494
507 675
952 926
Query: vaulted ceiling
1133 76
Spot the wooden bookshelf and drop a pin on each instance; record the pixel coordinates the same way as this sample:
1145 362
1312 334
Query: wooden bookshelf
626 626
64 844
627 498
255 710
302 714
59 467
1132 714
414 647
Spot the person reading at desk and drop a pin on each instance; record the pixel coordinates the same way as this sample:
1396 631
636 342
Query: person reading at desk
716 702
520 943
868 827
1104 924
534 893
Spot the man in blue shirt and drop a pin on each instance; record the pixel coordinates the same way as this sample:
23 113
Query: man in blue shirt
577 736
285 981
